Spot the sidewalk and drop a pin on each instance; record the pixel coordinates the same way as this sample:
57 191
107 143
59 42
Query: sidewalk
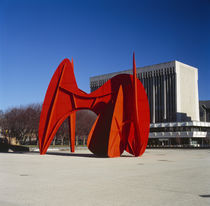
160 177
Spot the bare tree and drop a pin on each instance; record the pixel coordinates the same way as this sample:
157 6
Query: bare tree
84 122
21 123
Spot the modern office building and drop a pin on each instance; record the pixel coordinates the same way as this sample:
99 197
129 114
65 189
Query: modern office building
204 110
172 90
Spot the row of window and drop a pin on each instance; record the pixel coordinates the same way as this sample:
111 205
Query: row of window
180 129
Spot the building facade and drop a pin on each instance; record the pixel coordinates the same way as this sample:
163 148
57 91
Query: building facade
172 90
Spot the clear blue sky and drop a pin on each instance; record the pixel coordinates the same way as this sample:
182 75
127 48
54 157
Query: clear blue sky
35 36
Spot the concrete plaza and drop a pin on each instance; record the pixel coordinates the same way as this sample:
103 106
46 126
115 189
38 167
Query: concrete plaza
159 177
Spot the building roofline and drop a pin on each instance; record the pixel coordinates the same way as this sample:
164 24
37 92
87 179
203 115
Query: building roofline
148 68
138 68
144 67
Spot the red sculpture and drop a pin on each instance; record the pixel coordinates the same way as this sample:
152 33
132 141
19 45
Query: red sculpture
121 105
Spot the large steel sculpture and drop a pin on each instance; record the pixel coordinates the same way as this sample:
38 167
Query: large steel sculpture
121 105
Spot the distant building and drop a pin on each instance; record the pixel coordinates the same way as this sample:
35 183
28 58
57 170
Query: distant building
172 90
204 107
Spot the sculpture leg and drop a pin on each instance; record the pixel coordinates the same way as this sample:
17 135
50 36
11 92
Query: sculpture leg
72 123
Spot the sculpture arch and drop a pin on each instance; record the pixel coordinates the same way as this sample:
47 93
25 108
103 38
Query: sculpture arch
121 105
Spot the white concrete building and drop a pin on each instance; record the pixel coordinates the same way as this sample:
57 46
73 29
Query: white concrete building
172 90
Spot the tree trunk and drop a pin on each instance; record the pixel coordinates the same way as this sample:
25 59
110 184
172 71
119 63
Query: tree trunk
84 140
54 141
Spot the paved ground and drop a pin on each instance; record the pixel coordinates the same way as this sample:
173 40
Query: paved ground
160 177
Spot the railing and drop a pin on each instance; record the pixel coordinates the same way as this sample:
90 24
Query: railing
189 134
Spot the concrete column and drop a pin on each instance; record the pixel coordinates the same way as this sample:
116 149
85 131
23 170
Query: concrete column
164 95
143 79
159 96
173 95
153 98
169 96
